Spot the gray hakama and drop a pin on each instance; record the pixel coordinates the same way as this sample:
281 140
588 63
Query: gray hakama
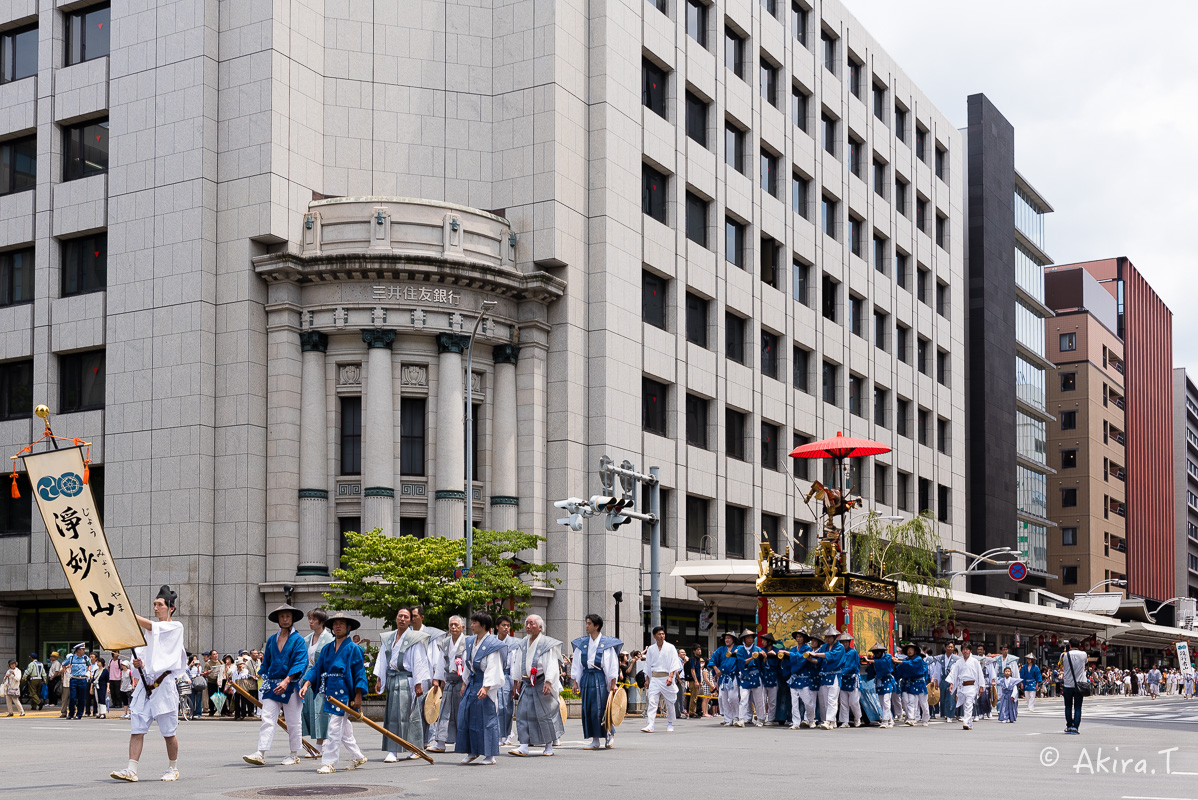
446 729
538 716
402 716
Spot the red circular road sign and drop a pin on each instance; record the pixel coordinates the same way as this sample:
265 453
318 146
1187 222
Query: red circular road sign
1017 571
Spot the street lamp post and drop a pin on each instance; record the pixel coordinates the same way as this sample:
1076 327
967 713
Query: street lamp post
1116 581
486 306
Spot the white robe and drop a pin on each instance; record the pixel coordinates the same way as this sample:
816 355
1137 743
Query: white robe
610 663
663 659
415 662
164 653
492 671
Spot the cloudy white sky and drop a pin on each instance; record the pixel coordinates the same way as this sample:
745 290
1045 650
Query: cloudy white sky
1104 99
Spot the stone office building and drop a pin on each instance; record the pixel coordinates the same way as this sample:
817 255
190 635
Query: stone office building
259 235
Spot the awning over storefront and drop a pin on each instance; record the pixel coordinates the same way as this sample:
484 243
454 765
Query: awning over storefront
730 582
997 615
1147 634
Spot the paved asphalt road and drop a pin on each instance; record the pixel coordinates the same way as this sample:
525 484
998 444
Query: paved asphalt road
46 757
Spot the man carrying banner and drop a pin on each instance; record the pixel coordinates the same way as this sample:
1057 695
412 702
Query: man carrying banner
156 696
284 662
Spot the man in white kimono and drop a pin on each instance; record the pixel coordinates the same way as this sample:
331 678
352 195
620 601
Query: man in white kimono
662 664
964 680
503 632
448 670
402 669
537 686
432 649
160 662
594 670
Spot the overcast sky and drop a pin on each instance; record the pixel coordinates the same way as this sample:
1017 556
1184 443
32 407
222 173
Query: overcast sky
1104 100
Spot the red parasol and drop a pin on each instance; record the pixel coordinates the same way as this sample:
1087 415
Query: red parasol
838 447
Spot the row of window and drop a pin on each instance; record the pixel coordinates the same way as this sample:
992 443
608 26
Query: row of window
87 33
85 153
83 269
413 414
80 385
16 513
735 59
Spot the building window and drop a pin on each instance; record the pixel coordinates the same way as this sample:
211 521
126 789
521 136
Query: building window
922 347
924 502
829 300
921 213
734 434
18 54
653 406
831 376
412 416
734 531
81 381
696 219
653 87
879 177
734 242
902 491
857 316
1069 497
769 446
798 23
18 164
855 77
881 326
1068 342
902 343
829 42
942 231
942 372
943 502
769 83
734 147
1068 381
856 159
800 464
734 338
769 261
828 127
900 123
412 526
921 143
771 530
696 522
880 402
16 390
923 425
696 118
856 390
351 436
880 254
16 277
802 369
800 193
880 101
734 52
1068 537
901 187
941 163
769 173
1068 420
799 100
1069 574
16 513
942 301
828 216
87 34
696 319
769 354
86 150
696 21
902 417
347 525
881 484
800 282
943 443
84 264
923 277
696 420
1068 459
901 269
770 7
653 299
653 193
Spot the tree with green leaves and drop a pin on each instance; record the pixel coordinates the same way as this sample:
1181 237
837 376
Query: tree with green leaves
381 573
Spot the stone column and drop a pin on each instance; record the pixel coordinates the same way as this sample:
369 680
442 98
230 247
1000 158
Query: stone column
314 457
504 500
378 434
451 437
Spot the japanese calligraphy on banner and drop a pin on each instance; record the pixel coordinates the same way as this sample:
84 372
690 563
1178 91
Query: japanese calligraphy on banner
1183 657
69 511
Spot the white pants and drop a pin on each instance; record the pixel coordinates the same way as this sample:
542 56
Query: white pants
850 703
771 703
1031 699
658 690
966 697
898 707
757 697
829 701
917 707
292 715
810 698
884 702
341 732
729 703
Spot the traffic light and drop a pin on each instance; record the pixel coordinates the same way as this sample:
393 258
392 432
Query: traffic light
612 506
574 521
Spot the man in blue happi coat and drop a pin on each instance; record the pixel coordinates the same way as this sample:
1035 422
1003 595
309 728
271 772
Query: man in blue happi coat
850 673
829 657
283 664
881 672
802 680
727 672
339 673
752 689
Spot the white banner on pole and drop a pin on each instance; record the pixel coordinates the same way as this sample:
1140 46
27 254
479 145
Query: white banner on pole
69 511
1183 656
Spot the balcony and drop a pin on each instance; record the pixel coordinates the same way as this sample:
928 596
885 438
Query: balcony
1119 509
1118 365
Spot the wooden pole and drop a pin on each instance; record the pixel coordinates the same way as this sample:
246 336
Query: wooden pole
311 748
360 717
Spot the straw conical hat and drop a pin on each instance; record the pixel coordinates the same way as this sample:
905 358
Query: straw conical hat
432 705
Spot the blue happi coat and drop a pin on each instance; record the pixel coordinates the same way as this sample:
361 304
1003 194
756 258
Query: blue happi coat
850 669
829 668
751 672
338 673
804 673
276 666
729 665
771 673
1030 677
912 675
881 672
